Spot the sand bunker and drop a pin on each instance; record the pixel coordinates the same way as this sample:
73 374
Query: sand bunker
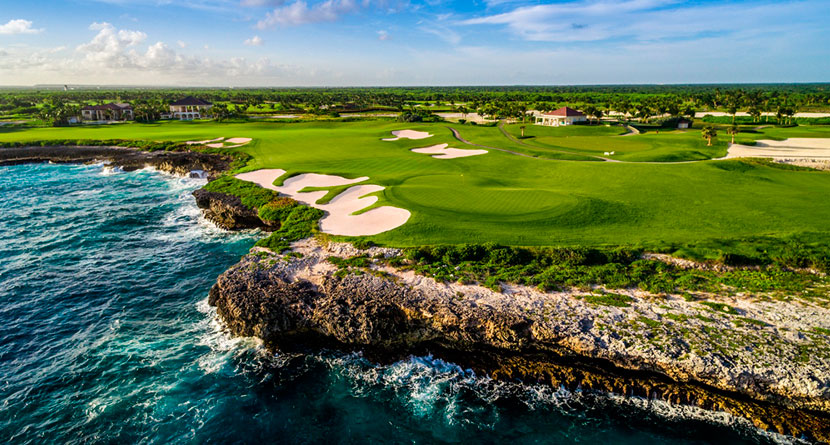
793 149
408 134
221 142
204 142
442 152
339 219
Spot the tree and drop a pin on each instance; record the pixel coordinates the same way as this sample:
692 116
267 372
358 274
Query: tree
598 114
732 131
732 109
709 133
589 111
755 113
523 130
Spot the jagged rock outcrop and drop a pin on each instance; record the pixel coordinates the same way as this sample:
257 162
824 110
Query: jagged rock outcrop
180 163
228 212
301 301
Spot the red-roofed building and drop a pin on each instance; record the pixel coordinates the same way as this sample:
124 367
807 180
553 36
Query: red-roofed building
562 116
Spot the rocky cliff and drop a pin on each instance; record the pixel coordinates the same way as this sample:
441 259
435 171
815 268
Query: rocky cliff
301 300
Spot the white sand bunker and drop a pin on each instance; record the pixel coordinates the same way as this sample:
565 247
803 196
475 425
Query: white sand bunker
408 134
793 149
339 219
441 151
221 142
204 142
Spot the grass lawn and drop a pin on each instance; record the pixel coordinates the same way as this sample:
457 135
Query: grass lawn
504 198
665 146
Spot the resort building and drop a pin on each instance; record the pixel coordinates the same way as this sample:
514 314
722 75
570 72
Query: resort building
107 112
189 108
562 116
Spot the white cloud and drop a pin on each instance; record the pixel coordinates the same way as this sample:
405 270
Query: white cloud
442 32
300 13
639 20
123 56
18 26
182 44
383 35
254 41
262 2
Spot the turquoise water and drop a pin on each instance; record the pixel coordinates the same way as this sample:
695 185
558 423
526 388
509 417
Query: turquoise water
107 337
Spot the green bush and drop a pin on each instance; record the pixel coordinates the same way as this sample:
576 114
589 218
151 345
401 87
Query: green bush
277 209
252 195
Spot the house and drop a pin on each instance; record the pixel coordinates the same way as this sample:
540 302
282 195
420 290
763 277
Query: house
562 116
108 112
189 108
683 124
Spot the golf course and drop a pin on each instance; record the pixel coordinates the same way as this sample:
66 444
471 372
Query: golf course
553 187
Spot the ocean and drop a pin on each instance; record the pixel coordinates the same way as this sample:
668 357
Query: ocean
106 337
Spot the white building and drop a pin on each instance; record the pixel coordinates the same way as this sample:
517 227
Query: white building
562 116
189 108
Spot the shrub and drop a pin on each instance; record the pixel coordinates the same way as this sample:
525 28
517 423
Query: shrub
277 209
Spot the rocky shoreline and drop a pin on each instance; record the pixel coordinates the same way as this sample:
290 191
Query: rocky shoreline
181 163
224 210
301 300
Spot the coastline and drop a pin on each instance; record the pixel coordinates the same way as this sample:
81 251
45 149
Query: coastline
299 301
501 340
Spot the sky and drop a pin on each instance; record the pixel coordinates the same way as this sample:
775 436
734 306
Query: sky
280 43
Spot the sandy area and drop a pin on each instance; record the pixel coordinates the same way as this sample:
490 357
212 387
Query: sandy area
744 114
469 117
339 219
441 151
792 149
408 134
220 142
205 142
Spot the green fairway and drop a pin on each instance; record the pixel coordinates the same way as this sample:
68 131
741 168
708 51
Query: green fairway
504 198
665 146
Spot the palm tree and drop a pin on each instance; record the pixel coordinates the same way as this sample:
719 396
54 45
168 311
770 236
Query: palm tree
732 131
755 113
709 133
589 111
732 109
523 130
598 114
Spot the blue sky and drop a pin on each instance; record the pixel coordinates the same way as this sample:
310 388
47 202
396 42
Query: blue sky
412 42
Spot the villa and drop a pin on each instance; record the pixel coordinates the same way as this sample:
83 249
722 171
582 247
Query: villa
562 116
189 108
108 112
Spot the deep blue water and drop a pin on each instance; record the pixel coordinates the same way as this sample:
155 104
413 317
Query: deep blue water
107 337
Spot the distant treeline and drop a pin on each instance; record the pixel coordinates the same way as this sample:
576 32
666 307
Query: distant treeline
645 100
